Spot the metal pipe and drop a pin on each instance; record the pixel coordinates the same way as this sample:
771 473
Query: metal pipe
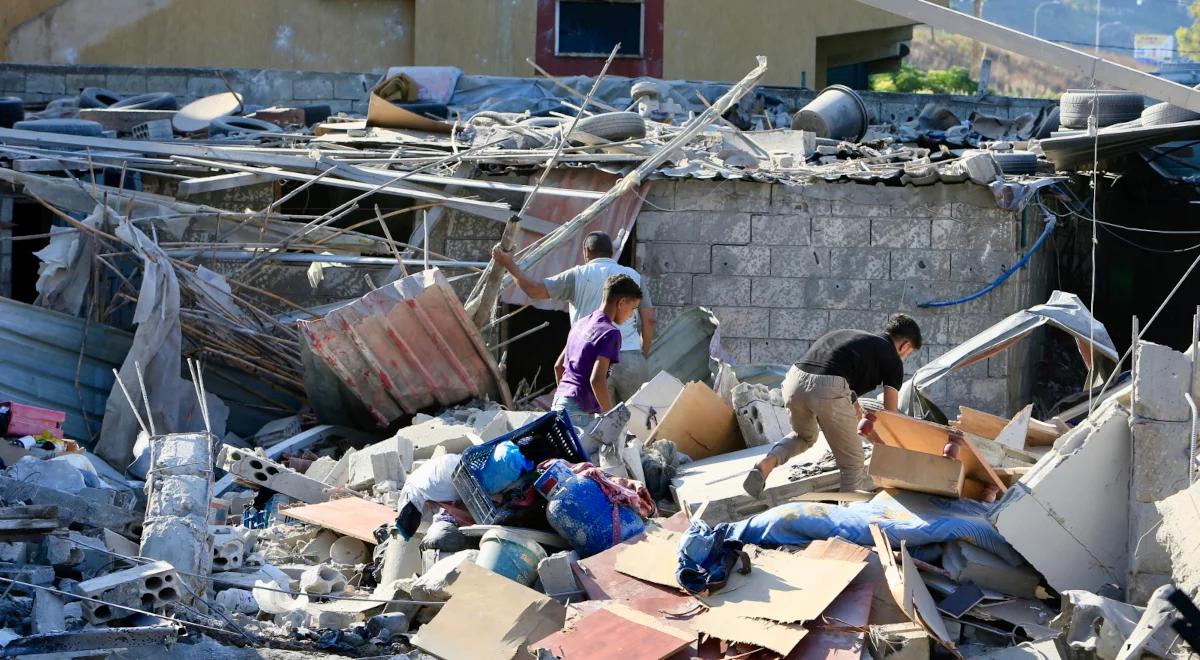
1191 397
302 258
528 332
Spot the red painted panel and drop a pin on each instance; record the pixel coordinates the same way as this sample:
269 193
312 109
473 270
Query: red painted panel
650 64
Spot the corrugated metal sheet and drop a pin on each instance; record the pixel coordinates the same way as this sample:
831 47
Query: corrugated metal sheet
404 347
684 346
40 361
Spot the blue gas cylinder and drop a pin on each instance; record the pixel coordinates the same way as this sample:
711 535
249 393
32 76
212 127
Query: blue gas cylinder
580 512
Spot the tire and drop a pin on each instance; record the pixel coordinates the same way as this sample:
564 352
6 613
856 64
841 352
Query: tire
98 97
1016 162
1049 124
231 124
613 126
644 88
315 114
1115 107
62 127
1165 113
152 101
12 110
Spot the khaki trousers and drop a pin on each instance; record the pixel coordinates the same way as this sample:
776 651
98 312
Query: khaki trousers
822 402
627 376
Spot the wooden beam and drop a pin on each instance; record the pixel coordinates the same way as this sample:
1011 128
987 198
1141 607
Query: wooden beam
1067 59
189 187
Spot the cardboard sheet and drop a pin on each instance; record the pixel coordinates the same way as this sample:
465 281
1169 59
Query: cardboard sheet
349 516
617 631
700 423
653 557
725 624
489 616
784 587
902 431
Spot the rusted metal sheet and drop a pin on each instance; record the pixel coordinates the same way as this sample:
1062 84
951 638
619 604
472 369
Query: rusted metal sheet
406 346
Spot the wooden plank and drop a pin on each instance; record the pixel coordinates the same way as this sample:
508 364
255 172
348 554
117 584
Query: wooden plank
349 516
189 187
918 435
894 467
989 426
617 631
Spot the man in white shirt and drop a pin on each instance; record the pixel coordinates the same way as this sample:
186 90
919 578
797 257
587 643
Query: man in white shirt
583 288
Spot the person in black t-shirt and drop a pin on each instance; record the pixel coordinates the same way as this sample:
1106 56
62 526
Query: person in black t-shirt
822 390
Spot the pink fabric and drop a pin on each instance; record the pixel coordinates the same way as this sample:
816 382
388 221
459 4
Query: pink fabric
619 491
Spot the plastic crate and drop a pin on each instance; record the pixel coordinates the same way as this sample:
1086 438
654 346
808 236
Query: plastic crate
549 436
32 420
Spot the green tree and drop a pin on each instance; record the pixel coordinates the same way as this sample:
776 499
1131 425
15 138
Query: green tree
955 80
1187 39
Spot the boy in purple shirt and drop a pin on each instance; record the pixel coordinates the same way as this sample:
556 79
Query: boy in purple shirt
593 346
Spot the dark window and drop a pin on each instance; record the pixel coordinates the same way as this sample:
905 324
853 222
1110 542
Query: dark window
591 29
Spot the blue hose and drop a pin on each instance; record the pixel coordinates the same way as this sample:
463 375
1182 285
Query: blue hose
1003 276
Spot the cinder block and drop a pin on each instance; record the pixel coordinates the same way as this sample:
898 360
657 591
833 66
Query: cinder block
738 348
839 294
45 83
870 321
177 85
351 87
558 580
126 83
743 321
968 211
856 210
763 423
799 262
798 323
670 288
1146 553
740 260
795 199
900 232
745 196
658 258
1160 383
321 580
147 587
720 290
841 232
862 263
368 469
923 209
779 229
426 437
75 82
205 85
312 88
775 292
660 196
979 265
228 548
269 474
962 327
710 227
1160 459
777 351
1142 585
920 265
12 81
949 234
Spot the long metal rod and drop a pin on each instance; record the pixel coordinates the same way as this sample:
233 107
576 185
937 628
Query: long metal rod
1067 59
528 332
303 258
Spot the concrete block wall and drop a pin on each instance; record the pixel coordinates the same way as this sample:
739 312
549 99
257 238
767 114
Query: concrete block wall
343 91
781 265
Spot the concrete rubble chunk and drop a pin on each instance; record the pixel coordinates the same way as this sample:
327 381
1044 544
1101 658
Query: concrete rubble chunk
1075 542
271 475
1161 376
426 437
1179 534
370 468
435 583
321 580
48 614
558 579
179 494
147 587
899 641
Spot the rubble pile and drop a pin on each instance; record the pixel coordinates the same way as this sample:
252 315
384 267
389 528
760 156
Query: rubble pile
358 479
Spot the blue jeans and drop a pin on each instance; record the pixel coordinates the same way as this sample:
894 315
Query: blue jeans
579 417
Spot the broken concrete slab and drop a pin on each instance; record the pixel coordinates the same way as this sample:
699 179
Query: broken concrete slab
79 642
47 615
370 468
1075 542
1161 374
426 437
650 403
76 509
178 503
558 578
271 475
1179 534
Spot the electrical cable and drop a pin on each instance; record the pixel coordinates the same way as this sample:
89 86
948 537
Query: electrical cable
1050 224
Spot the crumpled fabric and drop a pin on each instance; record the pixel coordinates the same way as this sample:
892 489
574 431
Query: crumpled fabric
706 556
628 492
64 274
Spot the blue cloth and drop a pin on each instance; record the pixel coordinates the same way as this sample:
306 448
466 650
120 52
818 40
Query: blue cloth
706 556
916 518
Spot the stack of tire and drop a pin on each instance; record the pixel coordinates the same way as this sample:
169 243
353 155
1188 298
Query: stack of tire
1110 106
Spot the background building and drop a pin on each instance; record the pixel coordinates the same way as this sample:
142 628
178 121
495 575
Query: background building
809 43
